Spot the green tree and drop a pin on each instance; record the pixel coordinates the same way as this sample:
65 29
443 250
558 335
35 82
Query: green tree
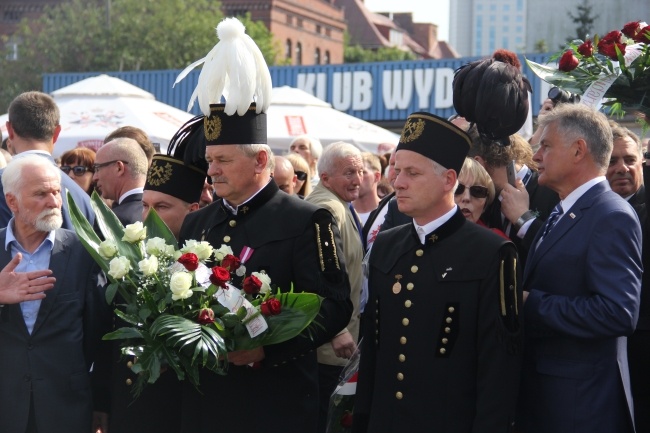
583 19
541 46
115 35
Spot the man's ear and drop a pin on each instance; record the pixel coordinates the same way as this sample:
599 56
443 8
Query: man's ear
194 206
12 202
57 131
261 161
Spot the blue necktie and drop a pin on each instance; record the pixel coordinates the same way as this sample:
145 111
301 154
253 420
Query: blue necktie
552 219
358 224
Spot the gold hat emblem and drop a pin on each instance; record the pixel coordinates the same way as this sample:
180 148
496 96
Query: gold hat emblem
159 175
212 127
412 130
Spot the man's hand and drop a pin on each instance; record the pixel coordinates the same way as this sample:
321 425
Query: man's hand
514 201
16 287
344 345
245 357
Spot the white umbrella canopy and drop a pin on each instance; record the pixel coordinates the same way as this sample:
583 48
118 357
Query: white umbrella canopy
94 107
295 112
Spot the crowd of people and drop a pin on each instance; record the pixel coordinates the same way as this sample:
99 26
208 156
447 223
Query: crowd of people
479 301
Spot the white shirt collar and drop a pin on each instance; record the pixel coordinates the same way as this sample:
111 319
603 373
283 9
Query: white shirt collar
429 227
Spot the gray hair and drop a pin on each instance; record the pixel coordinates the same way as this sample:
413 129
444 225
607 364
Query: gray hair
315 146
334 152
251 151
128 150
12 177
575 121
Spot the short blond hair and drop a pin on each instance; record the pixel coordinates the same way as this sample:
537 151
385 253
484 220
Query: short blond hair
473 170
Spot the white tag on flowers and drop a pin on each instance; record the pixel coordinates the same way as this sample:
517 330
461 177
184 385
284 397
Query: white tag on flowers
233 300
202 275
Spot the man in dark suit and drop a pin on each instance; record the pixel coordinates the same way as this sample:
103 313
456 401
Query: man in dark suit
625 176
581 284
441 346
298 245
520 210
49 344
120 174
33 127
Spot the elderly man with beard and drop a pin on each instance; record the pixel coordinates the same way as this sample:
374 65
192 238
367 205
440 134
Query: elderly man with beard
48 345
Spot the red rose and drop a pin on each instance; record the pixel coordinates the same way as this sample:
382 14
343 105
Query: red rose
271 307
346 419
190 261
252 285
220 276
206 316
586 49
568 62
607 45
631 29
231 262
643 36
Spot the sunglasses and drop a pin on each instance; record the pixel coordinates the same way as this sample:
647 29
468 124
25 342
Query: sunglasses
78 170
301 175
476 191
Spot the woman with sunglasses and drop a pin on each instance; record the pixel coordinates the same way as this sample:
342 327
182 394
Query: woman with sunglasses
77 163
475 192
301 168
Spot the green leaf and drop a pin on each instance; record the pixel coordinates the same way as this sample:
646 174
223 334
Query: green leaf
85 232
156 228
298 311
123 333
111 290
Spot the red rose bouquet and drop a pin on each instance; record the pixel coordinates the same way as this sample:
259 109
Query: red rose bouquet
176 311
615 67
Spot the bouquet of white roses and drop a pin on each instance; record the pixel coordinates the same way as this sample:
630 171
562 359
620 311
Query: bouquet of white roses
177 312
615 66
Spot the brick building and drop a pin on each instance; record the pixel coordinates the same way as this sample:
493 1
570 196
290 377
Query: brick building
310 31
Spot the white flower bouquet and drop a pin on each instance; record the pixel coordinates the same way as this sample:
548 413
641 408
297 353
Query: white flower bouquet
177 312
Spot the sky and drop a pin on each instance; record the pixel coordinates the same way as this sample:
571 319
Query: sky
424 11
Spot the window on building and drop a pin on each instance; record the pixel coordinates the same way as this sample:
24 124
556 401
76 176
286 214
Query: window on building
12 51
317 56
520 19
289 19
506 8
505 18
493 8
519 29
328 32
326 58
299 22
298 53
520 5
287 49
318 29
396 38
505 29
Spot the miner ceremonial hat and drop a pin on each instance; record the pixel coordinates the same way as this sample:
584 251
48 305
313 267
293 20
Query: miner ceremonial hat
436 138
236 71
171 176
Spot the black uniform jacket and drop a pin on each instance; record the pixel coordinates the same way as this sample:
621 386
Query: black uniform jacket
441 347
294 242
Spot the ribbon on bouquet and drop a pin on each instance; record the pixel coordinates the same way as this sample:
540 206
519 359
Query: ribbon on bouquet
594 94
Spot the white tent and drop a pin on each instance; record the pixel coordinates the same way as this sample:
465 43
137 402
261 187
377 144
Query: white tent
94 107
295 112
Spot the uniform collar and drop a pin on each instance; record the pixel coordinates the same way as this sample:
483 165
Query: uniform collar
453 223
254 202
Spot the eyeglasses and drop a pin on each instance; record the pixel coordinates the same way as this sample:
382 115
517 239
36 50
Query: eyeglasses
301 175
78 170
104 164
476 191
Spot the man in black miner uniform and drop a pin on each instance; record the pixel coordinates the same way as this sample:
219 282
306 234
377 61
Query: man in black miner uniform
273 388
441 332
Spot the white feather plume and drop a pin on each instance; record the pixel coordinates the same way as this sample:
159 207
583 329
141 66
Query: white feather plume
235 69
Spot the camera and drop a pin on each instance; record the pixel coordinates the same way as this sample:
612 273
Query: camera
559 96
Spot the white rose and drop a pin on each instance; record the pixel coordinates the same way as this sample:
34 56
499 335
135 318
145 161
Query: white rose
222 252
148 266
134 232
119 267
265 279
180 284
107 249
203 250
156 246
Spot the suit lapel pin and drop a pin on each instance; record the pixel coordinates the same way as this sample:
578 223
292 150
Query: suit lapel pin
446 270
572 215
433 238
